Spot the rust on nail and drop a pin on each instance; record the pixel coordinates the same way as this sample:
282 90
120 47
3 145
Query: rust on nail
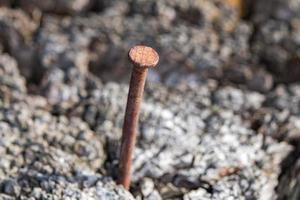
142 58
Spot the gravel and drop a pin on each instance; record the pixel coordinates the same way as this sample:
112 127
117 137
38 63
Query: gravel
276 42
218 120
205 142
45 156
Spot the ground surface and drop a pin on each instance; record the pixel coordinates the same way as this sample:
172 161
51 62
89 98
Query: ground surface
220 117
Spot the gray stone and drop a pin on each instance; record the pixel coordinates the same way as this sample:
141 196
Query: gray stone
10 187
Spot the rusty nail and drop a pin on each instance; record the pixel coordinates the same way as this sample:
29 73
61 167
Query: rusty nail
142 58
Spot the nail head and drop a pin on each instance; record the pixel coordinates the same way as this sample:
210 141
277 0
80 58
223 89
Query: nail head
143 56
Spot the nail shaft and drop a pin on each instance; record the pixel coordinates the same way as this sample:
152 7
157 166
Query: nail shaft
142 58
131 124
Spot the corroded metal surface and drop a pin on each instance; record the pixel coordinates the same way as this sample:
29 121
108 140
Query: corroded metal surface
142 58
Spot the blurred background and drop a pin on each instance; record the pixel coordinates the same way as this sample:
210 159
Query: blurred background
250 43
226 91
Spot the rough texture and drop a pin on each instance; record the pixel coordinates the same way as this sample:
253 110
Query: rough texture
44 156
143 56
203 144
216 119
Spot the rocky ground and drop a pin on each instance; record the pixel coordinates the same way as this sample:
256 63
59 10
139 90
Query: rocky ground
220 117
